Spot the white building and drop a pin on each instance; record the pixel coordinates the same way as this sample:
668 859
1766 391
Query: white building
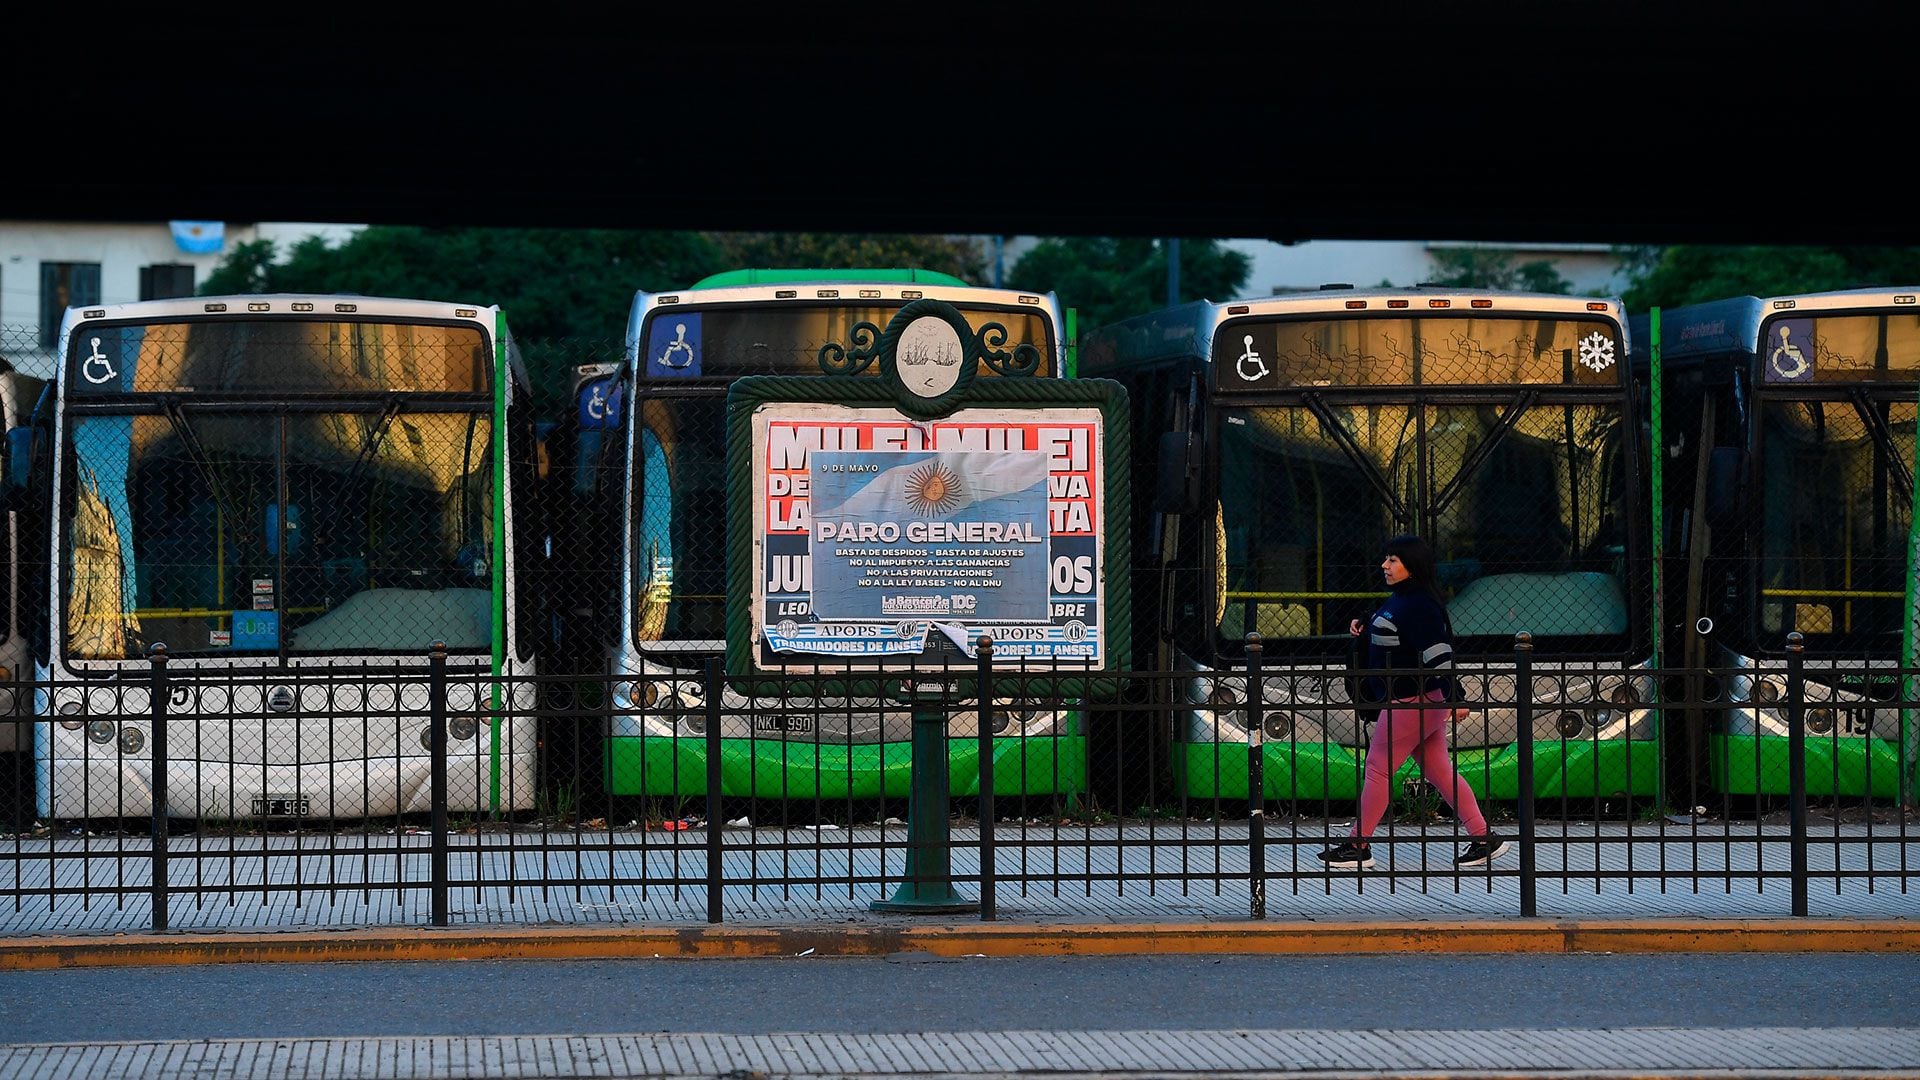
47 265
1592 269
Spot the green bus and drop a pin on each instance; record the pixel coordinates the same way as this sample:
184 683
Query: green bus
1800 520
1280 442
661 476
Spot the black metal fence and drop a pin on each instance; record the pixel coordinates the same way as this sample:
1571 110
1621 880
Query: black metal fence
434 784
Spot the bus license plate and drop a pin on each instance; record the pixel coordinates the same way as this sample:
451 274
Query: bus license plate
784 725
281 806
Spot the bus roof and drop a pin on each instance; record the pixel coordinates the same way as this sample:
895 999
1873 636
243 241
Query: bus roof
885 292
243 304
1187 330
1692 332
1168 334
764 276
1895 296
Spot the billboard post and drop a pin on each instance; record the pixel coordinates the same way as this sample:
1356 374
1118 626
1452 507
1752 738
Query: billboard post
880 528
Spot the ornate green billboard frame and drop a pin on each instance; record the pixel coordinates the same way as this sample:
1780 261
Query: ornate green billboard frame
1016 390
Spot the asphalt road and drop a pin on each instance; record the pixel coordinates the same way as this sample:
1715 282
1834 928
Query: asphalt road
920 993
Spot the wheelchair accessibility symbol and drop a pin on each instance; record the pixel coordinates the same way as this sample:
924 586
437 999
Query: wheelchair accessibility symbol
1786 361
98 362
1250 368
679 347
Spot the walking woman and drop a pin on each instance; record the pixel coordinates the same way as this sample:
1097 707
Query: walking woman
1411 632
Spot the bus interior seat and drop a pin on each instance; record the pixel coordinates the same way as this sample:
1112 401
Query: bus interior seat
1544 605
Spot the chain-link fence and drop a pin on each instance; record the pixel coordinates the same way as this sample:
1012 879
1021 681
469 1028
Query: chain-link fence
224 687
196 818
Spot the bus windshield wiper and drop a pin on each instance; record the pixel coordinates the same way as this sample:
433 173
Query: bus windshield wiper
1882 437
371 444
1357 454
197 454
1482 452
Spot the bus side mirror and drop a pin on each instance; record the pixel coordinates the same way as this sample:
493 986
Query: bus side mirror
1176 485
1726 471
19 463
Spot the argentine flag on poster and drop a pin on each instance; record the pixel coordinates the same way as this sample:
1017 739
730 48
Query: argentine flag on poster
199 237
971 477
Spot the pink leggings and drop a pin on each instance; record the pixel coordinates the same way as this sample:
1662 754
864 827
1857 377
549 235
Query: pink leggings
1401 732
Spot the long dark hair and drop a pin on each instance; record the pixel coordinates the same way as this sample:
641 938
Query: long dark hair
1417 557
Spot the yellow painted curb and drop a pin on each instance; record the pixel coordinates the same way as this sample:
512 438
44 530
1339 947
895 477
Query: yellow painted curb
977 939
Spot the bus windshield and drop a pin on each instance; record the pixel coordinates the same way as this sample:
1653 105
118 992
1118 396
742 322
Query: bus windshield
278 357
1525 504
789 339
1839 348
253 533
1836 503
1265 353
679 555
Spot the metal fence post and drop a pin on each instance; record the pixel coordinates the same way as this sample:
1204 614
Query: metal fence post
985 726
1523 719
716 853
157 708
437 752
1256 785
1797 767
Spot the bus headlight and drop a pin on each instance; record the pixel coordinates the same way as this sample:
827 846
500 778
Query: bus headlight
1013 714
463 727
634 694
1278 725
1765 691
1223 701
100 731
461 696
71 707
1625 696
1569 723
1820 721
131 740
695 723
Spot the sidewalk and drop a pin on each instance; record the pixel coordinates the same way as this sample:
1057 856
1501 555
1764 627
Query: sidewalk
1091 890
1885 1052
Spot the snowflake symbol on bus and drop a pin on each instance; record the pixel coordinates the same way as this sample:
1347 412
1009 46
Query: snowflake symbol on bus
1596 351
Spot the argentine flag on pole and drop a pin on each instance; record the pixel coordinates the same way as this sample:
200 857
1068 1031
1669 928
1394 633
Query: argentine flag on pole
199 237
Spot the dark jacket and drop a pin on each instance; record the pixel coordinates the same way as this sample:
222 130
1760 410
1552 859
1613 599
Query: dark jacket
1410 631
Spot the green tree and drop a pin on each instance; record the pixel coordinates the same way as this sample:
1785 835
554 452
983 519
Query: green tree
1112 278
566 292
1691 273
962 257
1495 268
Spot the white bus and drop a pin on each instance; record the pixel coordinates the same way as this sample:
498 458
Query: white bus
295 495
24 560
